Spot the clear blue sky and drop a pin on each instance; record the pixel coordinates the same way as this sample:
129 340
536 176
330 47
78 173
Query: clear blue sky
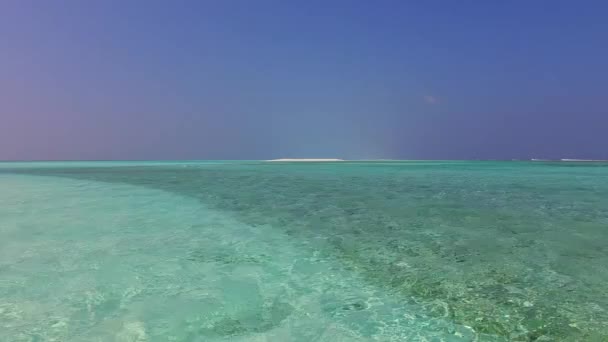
268 79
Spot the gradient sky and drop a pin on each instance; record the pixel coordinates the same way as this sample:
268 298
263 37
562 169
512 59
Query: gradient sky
317 78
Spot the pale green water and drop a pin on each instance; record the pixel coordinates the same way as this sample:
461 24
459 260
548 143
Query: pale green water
252 251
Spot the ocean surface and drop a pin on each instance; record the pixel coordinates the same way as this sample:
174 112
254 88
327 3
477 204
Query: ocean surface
348 251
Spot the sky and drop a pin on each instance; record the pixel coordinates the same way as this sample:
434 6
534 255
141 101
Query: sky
241 79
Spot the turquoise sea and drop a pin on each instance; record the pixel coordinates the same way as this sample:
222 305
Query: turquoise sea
348 251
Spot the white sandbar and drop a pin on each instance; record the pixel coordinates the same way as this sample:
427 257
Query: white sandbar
304 160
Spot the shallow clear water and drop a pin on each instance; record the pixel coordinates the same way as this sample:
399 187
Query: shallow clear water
253 251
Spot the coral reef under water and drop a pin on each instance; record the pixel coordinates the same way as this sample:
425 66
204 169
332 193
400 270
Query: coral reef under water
485 251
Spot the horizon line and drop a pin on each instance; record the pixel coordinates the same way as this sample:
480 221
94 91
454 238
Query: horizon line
293 159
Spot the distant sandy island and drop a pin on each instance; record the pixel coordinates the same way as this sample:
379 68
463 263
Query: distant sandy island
570 160
305 160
